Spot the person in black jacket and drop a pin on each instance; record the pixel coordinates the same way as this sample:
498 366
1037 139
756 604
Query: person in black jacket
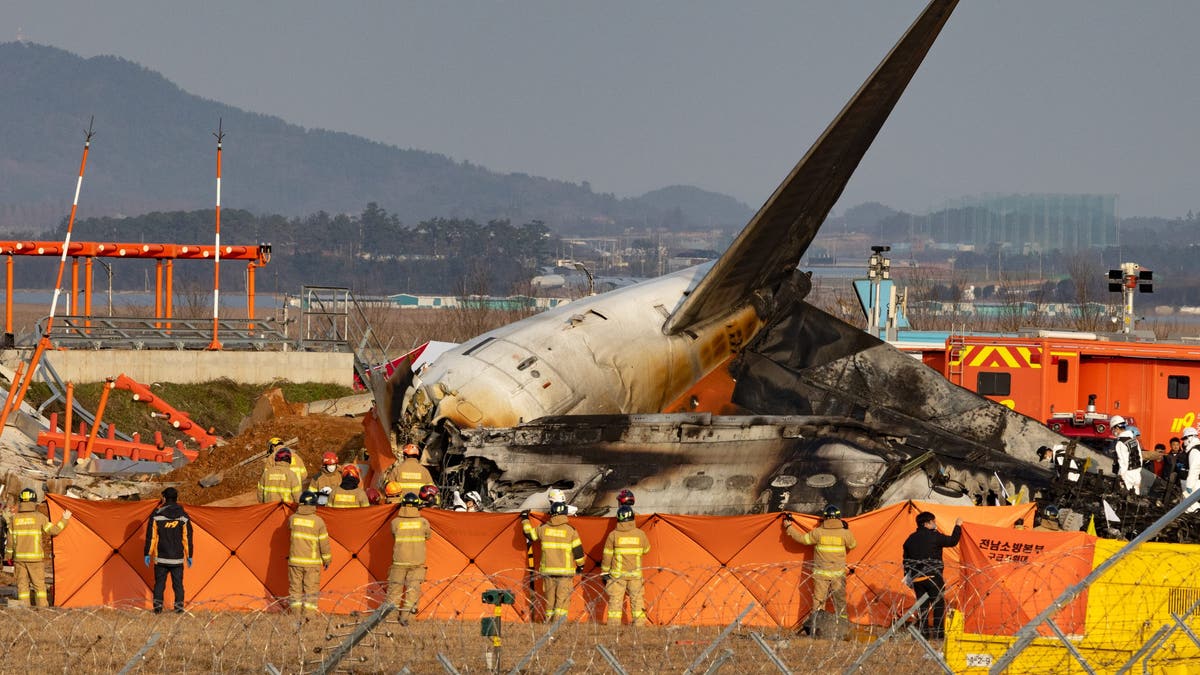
169 545
923 567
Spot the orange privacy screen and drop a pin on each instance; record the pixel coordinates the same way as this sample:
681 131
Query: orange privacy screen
700 569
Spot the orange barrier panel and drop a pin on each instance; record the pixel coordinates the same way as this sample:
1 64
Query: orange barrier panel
1014 574
241 560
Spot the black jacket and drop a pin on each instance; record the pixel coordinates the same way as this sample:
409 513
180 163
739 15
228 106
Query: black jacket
169 535
923 550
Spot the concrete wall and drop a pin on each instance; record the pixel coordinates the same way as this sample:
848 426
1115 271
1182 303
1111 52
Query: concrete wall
186 367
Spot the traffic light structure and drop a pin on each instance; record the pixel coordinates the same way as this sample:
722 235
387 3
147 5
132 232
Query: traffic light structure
1127 280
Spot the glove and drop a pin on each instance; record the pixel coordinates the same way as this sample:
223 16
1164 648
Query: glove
66 514
787 518
579 569
524 515
189 562
146 560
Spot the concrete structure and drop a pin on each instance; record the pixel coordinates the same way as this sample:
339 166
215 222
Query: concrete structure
190 367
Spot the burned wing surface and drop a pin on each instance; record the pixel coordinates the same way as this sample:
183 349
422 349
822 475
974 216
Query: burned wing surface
768 249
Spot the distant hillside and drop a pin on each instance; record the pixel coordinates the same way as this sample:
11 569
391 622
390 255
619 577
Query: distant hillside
154 151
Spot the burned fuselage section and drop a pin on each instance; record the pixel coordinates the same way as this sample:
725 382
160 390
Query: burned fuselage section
704 464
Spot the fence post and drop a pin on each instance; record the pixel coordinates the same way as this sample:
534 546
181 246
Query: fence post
335 657
719 661
1028 632
150 642
713 645
449 667
933 654
886 636
538 645
762 644
1070 647
612 660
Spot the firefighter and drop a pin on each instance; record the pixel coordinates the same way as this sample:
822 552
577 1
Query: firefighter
923 570
410 532
279 483
1129 455
830 541
1191 447
168 547
329 476
348 494
310 552
296 462
562 558
24 547
621 568
409 472
1049 522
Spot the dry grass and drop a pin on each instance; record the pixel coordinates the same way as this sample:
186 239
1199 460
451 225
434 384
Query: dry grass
104 640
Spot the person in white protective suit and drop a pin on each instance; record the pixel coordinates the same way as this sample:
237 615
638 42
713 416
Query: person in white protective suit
1191 446
1129 455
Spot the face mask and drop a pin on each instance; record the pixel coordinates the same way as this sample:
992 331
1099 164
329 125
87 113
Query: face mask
330 468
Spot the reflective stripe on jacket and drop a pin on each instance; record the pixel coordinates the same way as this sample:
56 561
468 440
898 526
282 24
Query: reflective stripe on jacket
623 551
169 535
562 551
25 533
310 539
410 532
830 541
348 499
410 474
278 484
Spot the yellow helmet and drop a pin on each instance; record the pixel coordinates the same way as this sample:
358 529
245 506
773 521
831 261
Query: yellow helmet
393 489
274 442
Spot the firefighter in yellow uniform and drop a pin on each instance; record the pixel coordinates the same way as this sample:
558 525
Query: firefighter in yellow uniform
348 494
309 553
622 568
409 473
329 476
24 547
831 539
296 462
278 482
410 532
562 558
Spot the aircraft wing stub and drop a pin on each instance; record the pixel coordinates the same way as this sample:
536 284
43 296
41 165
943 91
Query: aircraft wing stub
773 242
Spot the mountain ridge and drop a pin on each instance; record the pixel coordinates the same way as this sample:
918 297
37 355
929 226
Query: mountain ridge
153 151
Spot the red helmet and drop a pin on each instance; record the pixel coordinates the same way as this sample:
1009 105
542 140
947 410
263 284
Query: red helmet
411 450
428 493
351 470
625 497
329 459
283 455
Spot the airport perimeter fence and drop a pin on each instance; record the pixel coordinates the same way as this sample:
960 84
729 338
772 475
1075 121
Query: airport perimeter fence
1140 615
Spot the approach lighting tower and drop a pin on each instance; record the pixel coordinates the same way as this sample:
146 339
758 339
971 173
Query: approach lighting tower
878 269
1130 278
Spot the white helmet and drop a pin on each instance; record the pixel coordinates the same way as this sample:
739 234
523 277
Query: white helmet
1116 421
555 495
1189 432
1059 448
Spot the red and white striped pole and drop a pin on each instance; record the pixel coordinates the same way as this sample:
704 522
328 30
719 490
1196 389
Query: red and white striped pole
14 403
216 344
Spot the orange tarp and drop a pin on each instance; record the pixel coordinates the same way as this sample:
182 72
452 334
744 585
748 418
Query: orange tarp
700 570
1011 575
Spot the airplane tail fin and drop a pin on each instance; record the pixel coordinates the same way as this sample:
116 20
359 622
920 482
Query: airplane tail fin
771 245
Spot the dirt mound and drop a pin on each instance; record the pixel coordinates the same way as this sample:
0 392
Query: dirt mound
317 435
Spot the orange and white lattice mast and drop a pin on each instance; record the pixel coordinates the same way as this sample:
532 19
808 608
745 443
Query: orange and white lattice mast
14 402
216 344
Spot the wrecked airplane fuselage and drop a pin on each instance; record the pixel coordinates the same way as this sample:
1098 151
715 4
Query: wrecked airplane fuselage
507 412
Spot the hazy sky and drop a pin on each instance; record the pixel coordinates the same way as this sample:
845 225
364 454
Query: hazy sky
1097 96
